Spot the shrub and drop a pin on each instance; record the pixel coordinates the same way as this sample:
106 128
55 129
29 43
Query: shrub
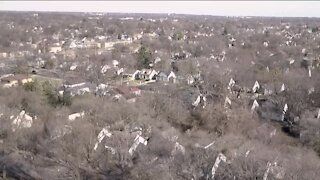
32 86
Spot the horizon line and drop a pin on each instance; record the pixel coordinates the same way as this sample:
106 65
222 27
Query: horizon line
118 12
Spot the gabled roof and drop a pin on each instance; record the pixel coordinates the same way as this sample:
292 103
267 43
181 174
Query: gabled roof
172 74
81 86
127 91
161 73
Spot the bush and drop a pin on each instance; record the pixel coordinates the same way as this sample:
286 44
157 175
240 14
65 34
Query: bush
32 86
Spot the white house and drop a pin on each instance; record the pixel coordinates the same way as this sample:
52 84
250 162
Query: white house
283 88
172 77
231 84
221 157
55 49
23 120
254 105
255 87
103 133
3 55
227 102
153 74
105 68
135 75
14 80
138 140
190 80
75 116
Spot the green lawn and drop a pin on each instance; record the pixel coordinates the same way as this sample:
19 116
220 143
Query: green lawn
53 81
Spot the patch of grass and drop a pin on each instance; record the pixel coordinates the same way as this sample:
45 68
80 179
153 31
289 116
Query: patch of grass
54 81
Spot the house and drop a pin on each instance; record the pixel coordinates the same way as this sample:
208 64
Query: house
136 75
78 89
3 55
101 90
138 140
172 77
23 120
122 36
131 74
157 60
105 68
148 74
55 49
137 36
128 91
73 67
40 63
92 44
152 35
255 87
120 71
75 116
115 63
72 45
108 45
75 84
201 99
103 133
162 76
15 80
190 80
153 75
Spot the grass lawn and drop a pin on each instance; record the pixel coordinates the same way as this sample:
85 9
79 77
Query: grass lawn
53 81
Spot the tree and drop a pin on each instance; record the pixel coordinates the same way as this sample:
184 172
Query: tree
66 98
49 93
49 64
144 57
177 36
53 98
31 86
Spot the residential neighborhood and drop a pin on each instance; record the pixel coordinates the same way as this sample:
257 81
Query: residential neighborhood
158 96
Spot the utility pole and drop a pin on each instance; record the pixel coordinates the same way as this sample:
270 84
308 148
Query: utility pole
121 79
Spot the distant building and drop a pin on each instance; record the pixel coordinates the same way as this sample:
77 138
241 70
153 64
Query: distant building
128 91
78 89
172 77
148 74
3 55
55 49
162 76
15 80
